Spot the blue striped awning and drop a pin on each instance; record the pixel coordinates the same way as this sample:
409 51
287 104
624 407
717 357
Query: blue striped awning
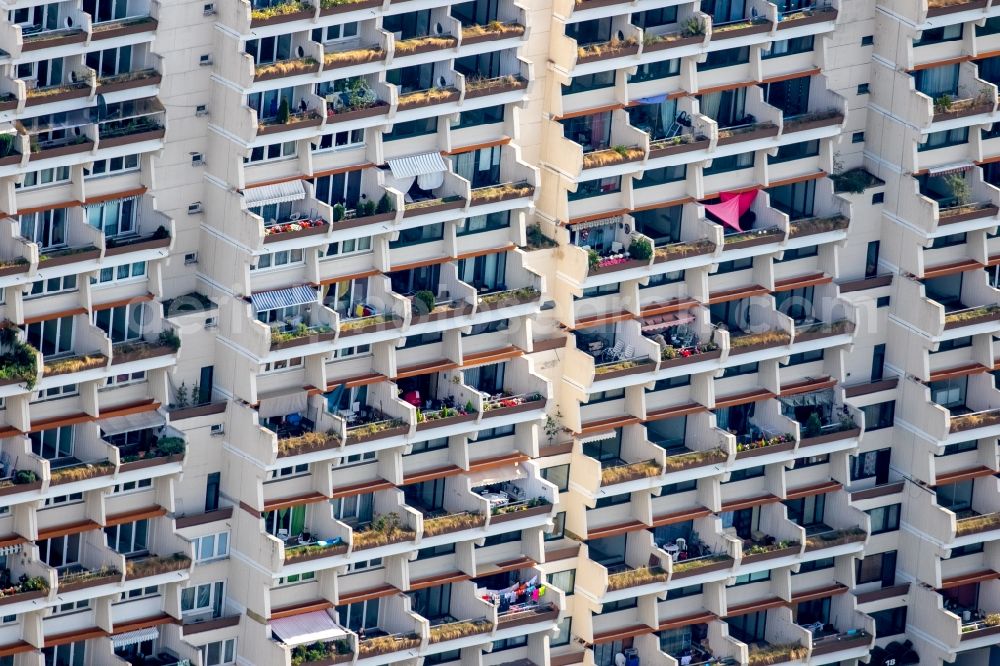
283 298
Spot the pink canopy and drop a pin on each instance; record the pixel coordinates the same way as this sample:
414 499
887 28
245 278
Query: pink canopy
733 206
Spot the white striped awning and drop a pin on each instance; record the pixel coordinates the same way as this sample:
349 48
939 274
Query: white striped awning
135 637
117 425
283 298
946 169
417 165
599 437
292 190
603 222
307 628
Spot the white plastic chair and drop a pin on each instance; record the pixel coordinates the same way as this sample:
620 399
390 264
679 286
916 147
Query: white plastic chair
628 353
615 352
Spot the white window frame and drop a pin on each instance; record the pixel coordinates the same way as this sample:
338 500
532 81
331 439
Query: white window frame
272 258
216 588
53 285
108 168
217 543
39 177
285 150
121 214
226 653
287 365
45 547
125 379
136 271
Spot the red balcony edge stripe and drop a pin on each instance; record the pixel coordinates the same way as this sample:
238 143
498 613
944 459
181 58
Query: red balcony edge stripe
687 620
72 528
949 478
819 593
814 489
807 386
132 516
737 505
285 503
299 609
969 578
755 606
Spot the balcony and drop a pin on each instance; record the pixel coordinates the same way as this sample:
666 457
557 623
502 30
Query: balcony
814 13
35 96
819 419
131 25
151 566
134 122
361 98
949 307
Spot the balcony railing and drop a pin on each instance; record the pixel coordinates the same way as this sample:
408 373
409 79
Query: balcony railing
154 565
384 530
970 316
982 419
976 524
452 522
776 654
625 472
450 631
832 538
636 577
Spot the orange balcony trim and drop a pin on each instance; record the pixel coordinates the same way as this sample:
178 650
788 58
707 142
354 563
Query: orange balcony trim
679 622
345 278
132 516
504 566
491 356
74 636
589 112
942 63
365 595
667 307
958 371
72 528
430 367
482 253
802 281
610 423
680 516
476 146
962 475
596 216
438 579
318 174
360 489
819 593
750 502
145 623
969 578
622 634
672 412
299 500
419 264
754 606
726 295
747 84
807 386
815 489
15 648
953 267
601 319
743 398
124 301
300 609
12 540
664 204
135 192
55 315
797 179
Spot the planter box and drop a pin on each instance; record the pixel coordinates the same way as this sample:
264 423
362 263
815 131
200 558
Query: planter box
494 89
355 222
799 230
404 538
763 239
64 481
694 358
82 585
132 138
306 68
678 148
756 133
663 45
125 357
82 147
506 196
332 659
70 258
132 28
292 124
409 644
714 460
8 104
180 565
339 549
582 5
75 93
708 568
752 29
979 633
816 335
201 410
608 55
507 303
516 409
524 513
772 555
115 86
373 328
36 44
137 246
285 18
350 7
630 263
838 644
16 269
301 233
951 9
10 159
19 488
982 319
490 37
391 432
648 366
817 16
22 596
426 48
149 462
757 347
687 252
343 116
451 420
962 113
457 528
435 208
52 373
822 545
801 126
202 626
405 104
465 309
829 437
765 450
986 211
304 340
527 618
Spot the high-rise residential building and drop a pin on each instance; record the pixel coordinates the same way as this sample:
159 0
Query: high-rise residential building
499 332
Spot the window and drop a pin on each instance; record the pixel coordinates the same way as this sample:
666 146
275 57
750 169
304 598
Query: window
746 473
742 369
349 246
274 151
871 464
563 632
795 151
734 265
668 174
74 654
858 137
878 362
482 223
341 140
558 475
52 336
53 443
564 580
880 567
110 62
654 70
595 188
277 259
685 591
112 165
353 510
786 47
281 366
360 615
219 653
114 218
203 598
868 40
122 323
889 622
211 546
961 447
945 138
805 357
128 538
43 177
335 32
120 273
862 88
884 518
130 486
881 415
954 343
882 302
948 33
730 163
871 259
60 552
816 565
269 49
140 592
878 198
45 227
489 115
752 577
679 487
52 286
341 188
558 528
725 58
296 578
63 499
55 392
412 128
